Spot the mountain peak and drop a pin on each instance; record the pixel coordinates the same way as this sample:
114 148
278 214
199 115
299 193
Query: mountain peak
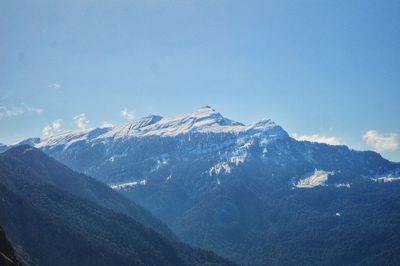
203 120
263 124
30 141
206 108
205 111
24 150
144 121
133 126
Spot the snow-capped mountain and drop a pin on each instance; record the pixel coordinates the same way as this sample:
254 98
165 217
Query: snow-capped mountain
204 133
109 153
203 120
184 168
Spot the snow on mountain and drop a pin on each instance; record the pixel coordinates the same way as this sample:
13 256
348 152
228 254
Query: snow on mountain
318 178
220 167
128 184
203 120
132 128
386 179
69 137
343 185
212 146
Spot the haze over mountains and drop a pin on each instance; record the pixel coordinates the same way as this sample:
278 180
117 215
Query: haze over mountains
250 193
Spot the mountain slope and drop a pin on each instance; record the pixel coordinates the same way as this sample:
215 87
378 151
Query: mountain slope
262 224
52 172
55 227
237 189
7 255
2 147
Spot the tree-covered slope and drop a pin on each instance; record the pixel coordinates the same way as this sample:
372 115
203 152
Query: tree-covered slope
262 224
50 171
55 227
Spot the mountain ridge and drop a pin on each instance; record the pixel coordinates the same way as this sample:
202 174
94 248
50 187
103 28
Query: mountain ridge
203 120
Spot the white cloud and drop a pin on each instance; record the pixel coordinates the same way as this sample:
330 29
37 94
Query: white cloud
106 124
127 114
381 142
17 110
9 112
57 124
47 131
34 110
52 129
81 121
332 140
55 86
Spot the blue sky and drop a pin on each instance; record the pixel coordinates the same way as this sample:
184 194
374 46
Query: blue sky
324 70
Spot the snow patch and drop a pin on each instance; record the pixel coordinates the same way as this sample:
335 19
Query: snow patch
318 178
159 164
386 179
27 150
344 185
128 184
222 167
238 159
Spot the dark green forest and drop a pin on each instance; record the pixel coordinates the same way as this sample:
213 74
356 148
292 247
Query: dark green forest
51 226
264 225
